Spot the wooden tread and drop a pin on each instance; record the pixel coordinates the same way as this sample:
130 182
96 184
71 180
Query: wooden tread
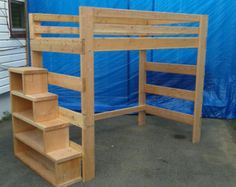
28 70
63 155
34 139
27 116
35 97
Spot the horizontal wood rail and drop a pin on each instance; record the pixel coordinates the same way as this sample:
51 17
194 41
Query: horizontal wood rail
171 68
72 117
65 81
55 18
114 44
136 21
56 30
116 29
119 112
169 114
171 92
118 13
62 45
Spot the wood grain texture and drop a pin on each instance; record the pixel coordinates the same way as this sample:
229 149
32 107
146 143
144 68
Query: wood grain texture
119 112
200 79
169 114
142 82
171 92
117 44
171 68
87 74
65 81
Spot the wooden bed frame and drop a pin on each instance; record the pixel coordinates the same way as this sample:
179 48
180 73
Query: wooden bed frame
142 24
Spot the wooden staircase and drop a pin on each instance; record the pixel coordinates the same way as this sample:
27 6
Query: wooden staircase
41 137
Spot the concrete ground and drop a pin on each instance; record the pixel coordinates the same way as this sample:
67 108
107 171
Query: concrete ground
158 154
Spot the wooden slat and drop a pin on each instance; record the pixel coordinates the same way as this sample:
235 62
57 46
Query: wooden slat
119 112
171 68
144 30
200 79
114 44
55 18
171 92
56 30
137 21
169 114
72 117
119 13
73 46
65 81
142 82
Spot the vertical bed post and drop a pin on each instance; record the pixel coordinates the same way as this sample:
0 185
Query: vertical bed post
142 82
36 56
200 79
87 95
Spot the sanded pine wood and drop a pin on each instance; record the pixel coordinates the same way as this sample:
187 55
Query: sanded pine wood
56 30
33 139
27 116
63 155
87 74
169 114
37 162
171 92
56 139
171 68
73 117
16 81
61 45
142 82
19 104
28 70
35 97
137 21
65 81
35 83
72 174
20 125
55 18
117 44
36 56
200 79
144 30
45 110
119 112
121 13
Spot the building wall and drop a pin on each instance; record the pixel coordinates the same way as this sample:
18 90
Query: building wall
12 54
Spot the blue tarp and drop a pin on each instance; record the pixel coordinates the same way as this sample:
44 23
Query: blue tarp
116 73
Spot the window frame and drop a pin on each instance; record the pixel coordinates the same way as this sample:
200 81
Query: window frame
14 33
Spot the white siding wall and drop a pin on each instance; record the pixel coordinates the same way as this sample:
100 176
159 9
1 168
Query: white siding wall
12 51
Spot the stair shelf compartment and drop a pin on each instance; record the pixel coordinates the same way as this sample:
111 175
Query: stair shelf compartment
41 137
36 114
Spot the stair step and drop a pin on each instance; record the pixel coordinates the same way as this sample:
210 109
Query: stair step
27 116
61 174
63 155
35 97
28 70
34 139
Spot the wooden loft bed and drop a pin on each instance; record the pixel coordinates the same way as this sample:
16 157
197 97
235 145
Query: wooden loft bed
142 26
